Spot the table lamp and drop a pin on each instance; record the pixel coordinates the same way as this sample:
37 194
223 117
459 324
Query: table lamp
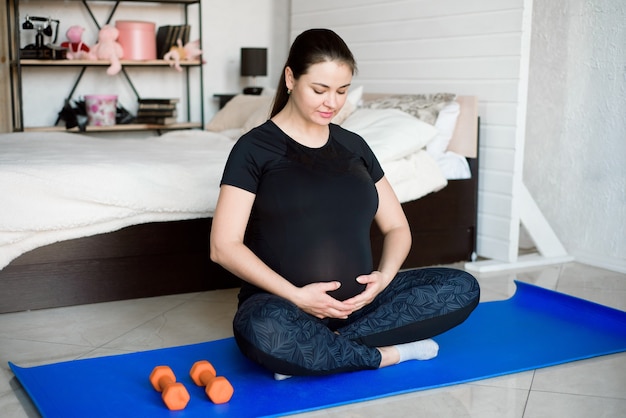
253 64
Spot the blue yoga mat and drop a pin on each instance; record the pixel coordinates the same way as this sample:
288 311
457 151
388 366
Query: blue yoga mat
533 329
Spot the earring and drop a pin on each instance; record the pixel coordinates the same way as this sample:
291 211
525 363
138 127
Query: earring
288 91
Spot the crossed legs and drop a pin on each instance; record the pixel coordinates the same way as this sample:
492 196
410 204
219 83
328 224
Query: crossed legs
397 326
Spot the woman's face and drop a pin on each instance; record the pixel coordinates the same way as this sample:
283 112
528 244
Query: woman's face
320 94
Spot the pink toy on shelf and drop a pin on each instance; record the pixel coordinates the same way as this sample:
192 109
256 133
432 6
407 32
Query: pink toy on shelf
76 49
179 53
108 48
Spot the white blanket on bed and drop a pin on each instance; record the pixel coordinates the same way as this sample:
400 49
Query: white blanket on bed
59 186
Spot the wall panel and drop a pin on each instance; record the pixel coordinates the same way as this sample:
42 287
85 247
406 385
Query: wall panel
457 47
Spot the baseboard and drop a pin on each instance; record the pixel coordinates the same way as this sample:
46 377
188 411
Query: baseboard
525 261
613 264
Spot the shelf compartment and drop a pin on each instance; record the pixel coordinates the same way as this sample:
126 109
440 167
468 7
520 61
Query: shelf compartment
104 63
119 128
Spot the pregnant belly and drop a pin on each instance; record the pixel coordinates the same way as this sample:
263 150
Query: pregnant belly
343 267
348 289
319 258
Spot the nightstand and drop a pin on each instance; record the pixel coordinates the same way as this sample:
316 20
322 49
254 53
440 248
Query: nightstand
224 98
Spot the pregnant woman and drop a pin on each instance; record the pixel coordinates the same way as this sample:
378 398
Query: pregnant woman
297 200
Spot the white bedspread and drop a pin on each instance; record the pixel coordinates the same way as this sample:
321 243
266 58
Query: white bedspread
414 176
59 186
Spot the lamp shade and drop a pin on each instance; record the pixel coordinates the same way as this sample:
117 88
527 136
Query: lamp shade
253 61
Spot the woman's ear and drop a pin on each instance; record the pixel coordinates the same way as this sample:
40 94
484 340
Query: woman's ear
289 78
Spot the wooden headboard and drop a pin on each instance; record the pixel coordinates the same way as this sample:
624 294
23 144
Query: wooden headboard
465 138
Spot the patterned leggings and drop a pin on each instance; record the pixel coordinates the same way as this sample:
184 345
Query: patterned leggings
417 304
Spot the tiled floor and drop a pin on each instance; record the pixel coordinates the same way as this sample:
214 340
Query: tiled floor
589 388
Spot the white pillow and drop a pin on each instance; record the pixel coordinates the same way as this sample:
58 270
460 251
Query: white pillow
352 102
259 117
445 124
391 133
237 112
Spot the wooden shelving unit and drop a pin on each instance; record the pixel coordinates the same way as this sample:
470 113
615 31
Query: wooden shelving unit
17 64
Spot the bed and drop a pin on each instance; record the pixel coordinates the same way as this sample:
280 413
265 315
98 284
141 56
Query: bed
88 220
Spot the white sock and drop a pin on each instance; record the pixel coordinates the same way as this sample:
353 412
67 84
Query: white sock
278 376
418 350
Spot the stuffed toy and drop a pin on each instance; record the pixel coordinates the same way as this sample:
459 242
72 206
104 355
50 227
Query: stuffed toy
179 53
76 49
107 48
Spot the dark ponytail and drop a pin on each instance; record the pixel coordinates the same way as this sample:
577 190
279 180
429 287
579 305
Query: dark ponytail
311 47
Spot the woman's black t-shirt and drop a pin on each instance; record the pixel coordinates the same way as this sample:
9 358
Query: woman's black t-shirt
313 209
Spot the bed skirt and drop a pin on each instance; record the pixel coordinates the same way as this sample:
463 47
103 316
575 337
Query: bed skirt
144 260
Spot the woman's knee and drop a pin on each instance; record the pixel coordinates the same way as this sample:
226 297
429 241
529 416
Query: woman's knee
468 285
455 280
262 312
461 286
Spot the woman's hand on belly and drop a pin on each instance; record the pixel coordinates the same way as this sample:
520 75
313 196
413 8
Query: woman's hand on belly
314 300
375 283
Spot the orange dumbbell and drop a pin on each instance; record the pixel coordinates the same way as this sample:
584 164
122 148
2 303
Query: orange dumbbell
174 394
218 388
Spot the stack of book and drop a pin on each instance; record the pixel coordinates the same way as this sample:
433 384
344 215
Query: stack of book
167 37
157 111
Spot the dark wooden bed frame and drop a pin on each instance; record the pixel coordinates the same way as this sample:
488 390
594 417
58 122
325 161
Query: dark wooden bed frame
443 224
173 257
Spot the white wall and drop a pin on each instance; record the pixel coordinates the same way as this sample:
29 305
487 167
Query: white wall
468 47
575 164
243 23
227 26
